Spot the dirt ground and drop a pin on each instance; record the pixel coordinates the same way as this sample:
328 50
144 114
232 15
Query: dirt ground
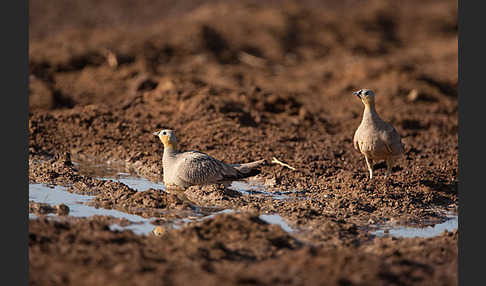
244 80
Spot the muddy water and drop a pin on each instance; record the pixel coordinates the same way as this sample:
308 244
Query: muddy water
40 193
255 188
276 219
56 195
112 171
136 183
450 224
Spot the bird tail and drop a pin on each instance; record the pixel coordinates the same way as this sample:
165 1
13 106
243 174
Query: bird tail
248 169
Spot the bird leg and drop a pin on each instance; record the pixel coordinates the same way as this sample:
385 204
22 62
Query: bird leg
369 163
389 165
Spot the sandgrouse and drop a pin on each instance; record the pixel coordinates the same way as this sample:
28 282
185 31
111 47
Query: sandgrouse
185 169
376 139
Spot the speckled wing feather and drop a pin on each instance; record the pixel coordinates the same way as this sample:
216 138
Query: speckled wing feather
392 140
199 168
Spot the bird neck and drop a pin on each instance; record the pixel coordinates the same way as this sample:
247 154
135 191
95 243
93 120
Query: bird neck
369 112
370 105
170 148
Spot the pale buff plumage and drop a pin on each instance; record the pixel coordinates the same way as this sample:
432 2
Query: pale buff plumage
376 139
185 169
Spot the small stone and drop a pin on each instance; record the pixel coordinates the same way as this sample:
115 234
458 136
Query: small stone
111 59
158 230
62 210
413 95
40 208
120 268
166 85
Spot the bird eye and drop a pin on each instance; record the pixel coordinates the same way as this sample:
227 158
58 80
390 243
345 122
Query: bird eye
164 133
366 93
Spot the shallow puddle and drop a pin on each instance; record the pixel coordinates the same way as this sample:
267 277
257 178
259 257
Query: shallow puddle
253 188
93 168
106 171
40 193
276 219
56 195
450 224
136 183
225 211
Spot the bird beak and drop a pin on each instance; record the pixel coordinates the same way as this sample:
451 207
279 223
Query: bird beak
156 133
357 94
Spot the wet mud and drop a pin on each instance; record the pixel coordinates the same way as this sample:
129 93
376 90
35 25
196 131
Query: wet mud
243 81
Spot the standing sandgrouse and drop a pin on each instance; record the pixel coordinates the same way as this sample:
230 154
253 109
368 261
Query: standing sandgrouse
376 139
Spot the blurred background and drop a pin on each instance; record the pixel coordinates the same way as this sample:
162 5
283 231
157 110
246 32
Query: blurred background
307 48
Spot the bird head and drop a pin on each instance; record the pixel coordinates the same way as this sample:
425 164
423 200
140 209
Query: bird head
167 137
367 96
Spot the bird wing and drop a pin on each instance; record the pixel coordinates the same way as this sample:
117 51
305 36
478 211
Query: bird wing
198 168
355 141
392 140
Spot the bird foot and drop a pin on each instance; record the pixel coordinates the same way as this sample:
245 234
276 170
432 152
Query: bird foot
370 176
